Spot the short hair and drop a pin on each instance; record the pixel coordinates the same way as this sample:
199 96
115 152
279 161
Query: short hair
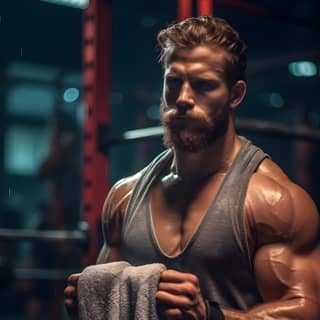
211 31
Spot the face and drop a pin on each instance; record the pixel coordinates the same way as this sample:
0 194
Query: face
196 100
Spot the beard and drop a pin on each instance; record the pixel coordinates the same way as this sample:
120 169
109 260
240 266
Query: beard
190 133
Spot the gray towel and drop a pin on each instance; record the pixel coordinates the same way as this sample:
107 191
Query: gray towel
95 285
118 291
143 284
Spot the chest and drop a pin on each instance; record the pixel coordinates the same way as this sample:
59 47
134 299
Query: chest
206 230
176 218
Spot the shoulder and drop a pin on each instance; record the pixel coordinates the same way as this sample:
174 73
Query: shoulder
279 210
114 208
117 199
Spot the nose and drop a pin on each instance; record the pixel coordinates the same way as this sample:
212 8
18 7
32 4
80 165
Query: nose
185 99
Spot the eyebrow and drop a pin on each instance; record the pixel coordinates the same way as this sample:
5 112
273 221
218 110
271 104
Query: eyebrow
210 70
204 76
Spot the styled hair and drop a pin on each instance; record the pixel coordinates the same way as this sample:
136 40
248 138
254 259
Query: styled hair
210 31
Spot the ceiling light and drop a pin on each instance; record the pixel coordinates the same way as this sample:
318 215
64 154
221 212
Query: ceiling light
276 100
71 95
81 4
303 69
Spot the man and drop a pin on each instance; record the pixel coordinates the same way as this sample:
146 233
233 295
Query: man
238 238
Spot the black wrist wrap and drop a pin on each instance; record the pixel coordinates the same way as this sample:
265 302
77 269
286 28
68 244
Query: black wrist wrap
213 311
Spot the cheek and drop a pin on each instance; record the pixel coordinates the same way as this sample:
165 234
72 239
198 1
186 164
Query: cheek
169 96
216 101
165 110
171 93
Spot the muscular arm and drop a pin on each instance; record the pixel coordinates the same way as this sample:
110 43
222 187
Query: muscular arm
113 212
295 287
287 259
112 217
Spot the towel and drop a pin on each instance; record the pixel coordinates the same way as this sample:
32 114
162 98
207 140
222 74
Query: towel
119 291
143 282
98 291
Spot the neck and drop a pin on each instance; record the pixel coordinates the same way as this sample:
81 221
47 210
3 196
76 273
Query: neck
215 158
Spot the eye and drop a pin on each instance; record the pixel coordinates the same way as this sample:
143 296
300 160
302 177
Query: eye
204 85
173 82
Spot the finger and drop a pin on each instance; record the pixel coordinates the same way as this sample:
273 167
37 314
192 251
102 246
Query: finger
70 292
182 288
70 304
73 279
173 314
178 314
179 301
177 276
190 315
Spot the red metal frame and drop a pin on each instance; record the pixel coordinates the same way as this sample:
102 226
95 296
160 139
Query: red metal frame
184 9
205 7
96 65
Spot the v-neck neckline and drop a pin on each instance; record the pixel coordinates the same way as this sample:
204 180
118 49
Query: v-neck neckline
201 221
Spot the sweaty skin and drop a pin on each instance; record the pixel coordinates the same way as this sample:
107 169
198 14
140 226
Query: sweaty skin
281 220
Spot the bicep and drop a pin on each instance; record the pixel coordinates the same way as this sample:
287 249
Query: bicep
282 274
111 227
287 228
112 218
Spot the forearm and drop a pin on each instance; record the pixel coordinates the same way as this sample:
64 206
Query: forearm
109 254
295 309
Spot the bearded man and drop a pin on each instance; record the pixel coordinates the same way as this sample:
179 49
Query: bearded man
238 238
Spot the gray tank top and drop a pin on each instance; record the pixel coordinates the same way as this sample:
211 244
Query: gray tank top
218 251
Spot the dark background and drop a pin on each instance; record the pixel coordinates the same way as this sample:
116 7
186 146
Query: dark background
41 58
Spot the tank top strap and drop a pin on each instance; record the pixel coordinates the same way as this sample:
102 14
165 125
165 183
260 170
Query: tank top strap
234 190
141 188
245 164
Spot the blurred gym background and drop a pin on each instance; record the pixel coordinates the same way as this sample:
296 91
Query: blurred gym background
51 174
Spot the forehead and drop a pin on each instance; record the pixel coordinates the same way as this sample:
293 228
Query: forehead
198 59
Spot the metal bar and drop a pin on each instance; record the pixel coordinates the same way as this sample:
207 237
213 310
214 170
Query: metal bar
205 7
242 124
184 9
141 133
278 129
96 68
44 235
42 274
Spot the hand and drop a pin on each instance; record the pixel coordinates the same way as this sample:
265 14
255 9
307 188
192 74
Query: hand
70 296
179 296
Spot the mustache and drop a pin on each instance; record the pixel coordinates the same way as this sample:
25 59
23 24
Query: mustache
176 120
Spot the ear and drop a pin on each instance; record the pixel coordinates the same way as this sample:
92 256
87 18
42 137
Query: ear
237 93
